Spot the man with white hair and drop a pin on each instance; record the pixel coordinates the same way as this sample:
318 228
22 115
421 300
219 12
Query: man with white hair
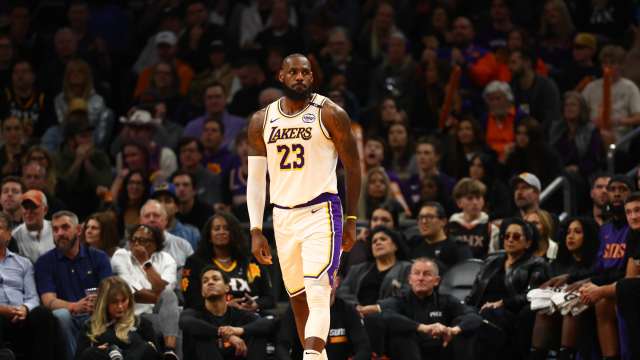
502 118
154 214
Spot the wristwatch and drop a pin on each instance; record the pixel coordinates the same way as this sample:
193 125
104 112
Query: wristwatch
147 265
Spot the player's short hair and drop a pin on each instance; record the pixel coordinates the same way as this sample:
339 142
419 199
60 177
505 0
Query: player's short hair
469 187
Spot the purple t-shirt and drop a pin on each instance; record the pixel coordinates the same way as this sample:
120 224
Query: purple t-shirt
232 126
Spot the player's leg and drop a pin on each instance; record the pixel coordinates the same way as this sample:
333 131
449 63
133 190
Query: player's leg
320 260
300 313
607 328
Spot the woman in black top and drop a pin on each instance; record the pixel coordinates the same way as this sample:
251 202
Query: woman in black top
225 246
113 327
501 287
577 249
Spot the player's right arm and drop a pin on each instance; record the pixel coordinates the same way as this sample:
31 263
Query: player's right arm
256 187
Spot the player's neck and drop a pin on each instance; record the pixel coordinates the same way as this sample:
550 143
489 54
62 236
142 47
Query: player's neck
290 106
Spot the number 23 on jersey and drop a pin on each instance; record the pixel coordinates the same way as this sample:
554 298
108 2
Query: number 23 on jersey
291 150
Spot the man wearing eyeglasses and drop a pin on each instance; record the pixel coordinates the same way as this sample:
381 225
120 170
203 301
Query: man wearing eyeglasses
433 241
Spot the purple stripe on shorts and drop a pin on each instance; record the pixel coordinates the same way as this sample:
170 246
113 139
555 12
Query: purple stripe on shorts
336 222
324 197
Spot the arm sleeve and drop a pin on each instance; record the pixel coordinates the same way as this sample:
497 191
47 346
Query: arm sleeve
357 334
169 270
259 326
30 294
256 190
398 323
44 277
192 324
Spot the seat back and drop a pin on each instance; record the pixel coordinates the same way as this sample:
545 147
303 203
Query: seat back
458 280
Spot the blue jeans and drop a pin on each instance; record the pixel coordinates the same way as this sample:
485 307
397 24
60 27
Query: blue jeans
70 326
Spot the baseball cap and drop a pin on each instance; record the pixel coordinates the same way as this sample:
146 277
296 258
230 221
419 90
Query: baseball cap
140 118
622 179
163 188
216 45
529 179
586 40
37 197
166 37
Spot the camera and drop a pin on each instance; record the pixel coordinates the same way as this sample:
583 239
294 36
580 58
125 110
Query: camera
114 352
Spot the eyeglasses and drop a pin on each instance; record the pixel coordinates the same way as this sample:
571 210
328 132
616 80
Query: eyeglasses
427 217
513 236
140 240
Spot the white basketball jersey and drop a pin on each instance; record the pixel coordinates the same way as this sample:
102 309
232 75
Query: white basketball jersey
301 157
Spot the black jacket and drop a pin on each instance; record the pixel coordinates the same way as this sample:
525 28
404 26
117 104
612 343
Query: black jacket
393 283
132 350
405 313
527 273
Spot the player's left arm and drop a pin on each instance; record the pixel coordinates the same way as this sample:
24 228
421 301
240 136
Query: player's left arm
337 122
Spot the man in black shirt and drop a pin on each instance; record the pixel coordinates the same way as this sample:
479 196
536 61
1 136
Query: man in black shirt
190 210
217 331
433 242
423 322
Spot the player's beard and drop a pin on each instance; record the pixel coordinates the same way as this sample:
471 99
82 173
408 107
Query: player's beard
296 95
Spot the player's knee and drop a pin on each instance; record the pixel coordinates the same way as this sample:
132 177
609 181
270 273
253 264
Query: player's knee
318 293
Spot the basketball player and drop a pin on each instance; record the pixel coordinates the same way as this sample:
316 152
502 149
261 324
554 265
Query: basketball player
298 139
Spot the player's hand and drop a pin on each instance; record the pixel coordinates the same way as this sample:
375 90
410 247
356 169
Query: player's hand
260 247
348 235
555 282
590 293
239 345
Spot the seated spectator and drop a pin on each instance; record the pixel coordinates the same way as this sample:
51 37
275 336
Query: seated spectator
517 39
428 155
238 177
402 157
190 210
432 242
384 215
625 97
100 231
466 141
67 277
219 331
599 198
502 118
214 98
114 329
29 327
23 100
83 167
35 177
154 214
430 93
78 84
576 254
165 193
11 190
217 69
496 30
34 236
526 193
383 275
13 146
531 153
150 272
482 167
386 113
225 247
555 36
199 32
472 225
166 42
499 291
47 160
424 323
576 139
377 190
544 222
376 32
140 127
347 336
169 131
216 156
280 32
583 68
252 82
163 86
535 95
190 154
129 200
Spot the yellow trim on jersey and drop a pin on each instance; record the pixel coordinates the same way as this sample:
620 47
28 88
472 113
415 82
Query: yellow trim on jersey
294 293
224 268
331 237
299 112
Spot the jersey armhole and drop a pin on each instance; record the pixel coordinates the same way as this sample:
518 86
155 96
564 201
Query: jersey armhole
264 121
324 130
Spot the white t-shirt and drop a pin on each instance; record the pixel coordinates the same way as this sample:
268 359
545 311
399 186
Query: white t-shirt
125 265
625 98
32 244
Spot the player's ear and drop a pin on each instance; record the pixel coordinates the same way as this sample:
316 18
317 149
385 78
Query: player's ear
281 75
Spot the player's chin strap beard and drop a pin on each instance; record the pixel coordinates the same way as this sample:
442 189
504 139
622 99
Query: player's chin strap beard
296 95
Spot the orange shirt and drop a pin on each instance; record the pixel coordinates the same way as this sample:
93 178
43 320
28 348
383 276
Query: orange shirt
185 75
500 135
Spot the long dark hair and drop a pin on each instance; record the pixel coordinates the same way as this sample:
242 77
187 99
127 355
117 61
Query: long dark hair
590 243
396 237
123 195
530 233
238 244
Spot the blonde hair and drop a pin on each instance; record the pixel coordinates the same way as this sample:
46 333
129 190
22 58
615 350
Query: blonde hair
82 66
109 289
547 223
565 29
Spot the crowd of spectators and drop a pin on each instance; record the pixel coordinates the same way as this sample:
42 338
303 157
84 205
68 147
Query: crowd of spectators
123 165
